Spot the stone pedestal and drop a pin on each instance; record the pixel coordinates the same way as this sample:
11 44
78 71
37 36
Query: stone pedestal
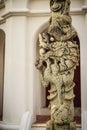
71 126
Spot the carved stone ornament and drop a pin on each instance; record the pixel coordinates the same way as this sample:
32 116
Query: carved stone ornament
59 56
2 4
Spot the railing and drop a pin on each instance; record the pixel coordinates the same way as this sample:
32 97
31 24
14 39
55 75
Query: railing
24 124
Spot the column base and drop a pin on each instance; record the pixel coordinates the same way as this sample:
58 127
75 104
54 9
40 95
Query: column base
70 126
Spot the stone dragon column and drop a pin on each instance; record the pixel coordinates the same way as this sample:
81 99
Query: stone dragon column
59 56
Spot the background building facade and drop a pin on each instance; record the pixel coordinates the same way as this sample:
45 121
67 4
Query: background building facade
20 22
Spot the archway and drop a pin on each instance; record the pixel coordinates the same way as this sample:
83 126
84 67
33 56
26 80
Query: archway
2 56
77 90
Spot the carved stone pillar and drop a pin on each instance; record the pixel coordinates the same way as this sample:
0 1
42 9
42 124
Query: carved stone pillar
59 57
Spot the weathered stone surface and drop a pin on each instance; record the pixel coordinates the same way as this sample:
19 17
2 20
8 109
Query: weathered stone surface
70 126
59 56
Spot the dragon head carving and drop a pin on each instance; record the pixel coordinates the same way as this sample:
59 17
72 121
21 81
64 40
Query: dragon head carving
60 6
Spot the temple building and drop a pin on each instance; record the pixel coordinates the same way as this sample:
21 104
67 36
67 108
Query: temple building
21 22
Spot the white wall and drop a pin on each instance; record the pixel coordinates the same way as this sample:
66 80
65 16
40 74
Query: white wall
15 69
36 25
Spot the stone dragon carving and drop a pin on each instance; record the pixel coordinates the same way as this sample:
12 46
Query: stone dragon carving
59 56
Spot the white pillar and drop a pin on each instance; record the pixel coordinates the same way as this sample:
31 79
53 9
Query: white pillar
15 70
86 55
84 71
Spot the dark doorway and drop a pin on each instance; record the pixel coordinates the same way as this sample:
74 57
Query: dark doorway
77 80
2 55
